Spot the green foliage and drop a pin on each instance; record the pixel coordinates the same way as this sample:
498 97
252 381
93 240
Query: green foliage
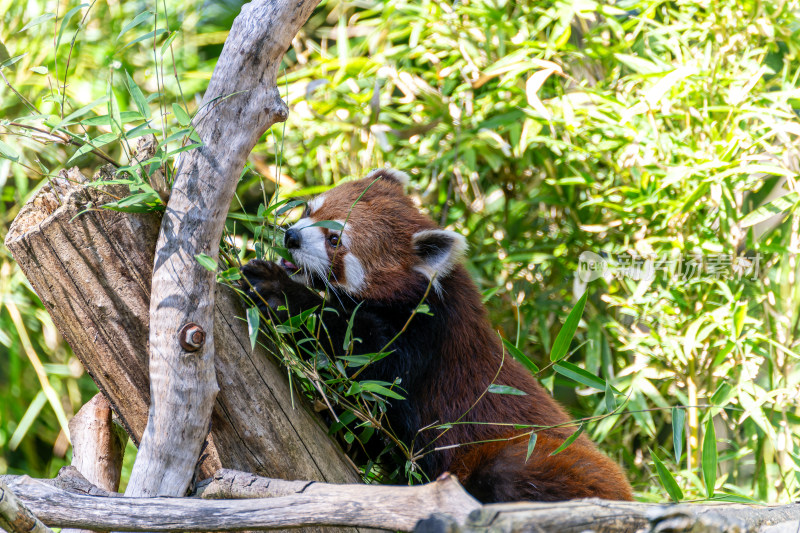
657 136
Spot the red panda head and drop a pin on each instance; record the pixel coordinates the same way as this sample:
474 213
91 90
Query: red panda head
381 245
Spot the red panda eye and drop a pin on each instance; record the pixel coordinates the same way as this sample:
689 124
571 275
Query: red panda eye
333 239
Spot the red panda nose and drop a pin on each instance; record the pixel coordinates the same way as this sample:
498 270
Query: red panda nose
291 239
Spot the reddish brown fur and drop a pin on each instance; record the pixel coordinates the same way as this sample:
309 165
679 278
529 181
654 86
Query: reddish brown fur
382 224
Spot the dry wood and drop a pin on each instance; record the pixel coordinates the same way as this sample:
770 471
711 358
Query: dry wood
601 516
241 102
384 507
442 506
15 517
97 446
92 271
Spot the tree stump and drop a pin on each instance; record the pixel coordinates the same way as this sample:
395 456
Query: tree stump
91 267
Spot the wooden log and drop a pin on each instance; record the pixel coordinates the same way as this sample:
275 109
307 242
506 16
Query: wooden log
241 103
91 267
15 517
603 516
308 504
439 507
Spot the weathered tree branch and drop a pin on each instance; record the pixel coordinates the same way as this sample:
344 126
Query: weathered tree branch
301 504
441 506
15 517
241 102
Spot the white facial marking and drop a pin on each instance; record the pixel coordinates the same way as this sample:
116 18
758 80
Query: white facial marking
355 278
312 254
315 203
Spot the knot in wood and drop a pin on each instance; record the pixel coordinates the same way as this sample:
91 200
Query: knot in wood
192 337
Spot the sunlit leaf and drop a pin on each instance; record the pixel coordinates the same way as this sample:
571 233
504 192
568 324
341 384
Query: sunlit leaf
567 332
494 388
531 446
678 427
667 481
568 441
253 315
709 459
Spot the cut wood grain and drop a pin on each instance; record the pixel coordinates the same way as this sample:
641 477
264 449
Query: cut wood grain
15 517
97 444
91 267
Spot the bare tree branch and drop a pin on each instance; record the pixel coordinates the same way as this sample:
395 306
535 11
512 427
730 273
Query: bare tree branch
241 102
303 503
15 517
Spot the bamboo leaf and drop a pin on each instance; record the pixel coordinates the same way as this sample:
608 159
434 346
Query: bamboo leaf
138 97
66 19
678 427
710 457
567 332
378 388
329 224
667 481
7 152
138 19
775 207
531 445
207 262
570 440
576 373
148 35
611 401
180 113
35 22
494 388
97 142
253 321
521 357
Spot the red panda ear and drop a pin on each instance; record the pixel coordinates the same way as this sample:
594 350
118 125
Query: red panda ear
389 174
439 251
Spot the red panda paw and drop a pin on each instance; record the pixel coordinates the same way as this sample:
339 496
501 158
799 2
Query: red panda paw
268 285
266 282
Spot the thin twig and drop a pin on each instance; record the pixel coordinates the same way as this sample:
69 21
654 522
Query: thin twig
65 140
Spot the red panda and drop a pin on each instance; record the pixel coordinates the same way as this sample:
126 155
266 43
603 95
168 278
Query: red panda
385 257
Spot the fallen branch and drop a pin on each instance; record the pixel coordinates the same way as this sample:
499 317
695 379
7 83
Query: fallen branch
439 507
15 517
603 516
301 504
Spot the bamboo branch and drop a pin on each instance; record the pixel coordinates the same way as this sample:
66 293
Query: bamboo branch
52 136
